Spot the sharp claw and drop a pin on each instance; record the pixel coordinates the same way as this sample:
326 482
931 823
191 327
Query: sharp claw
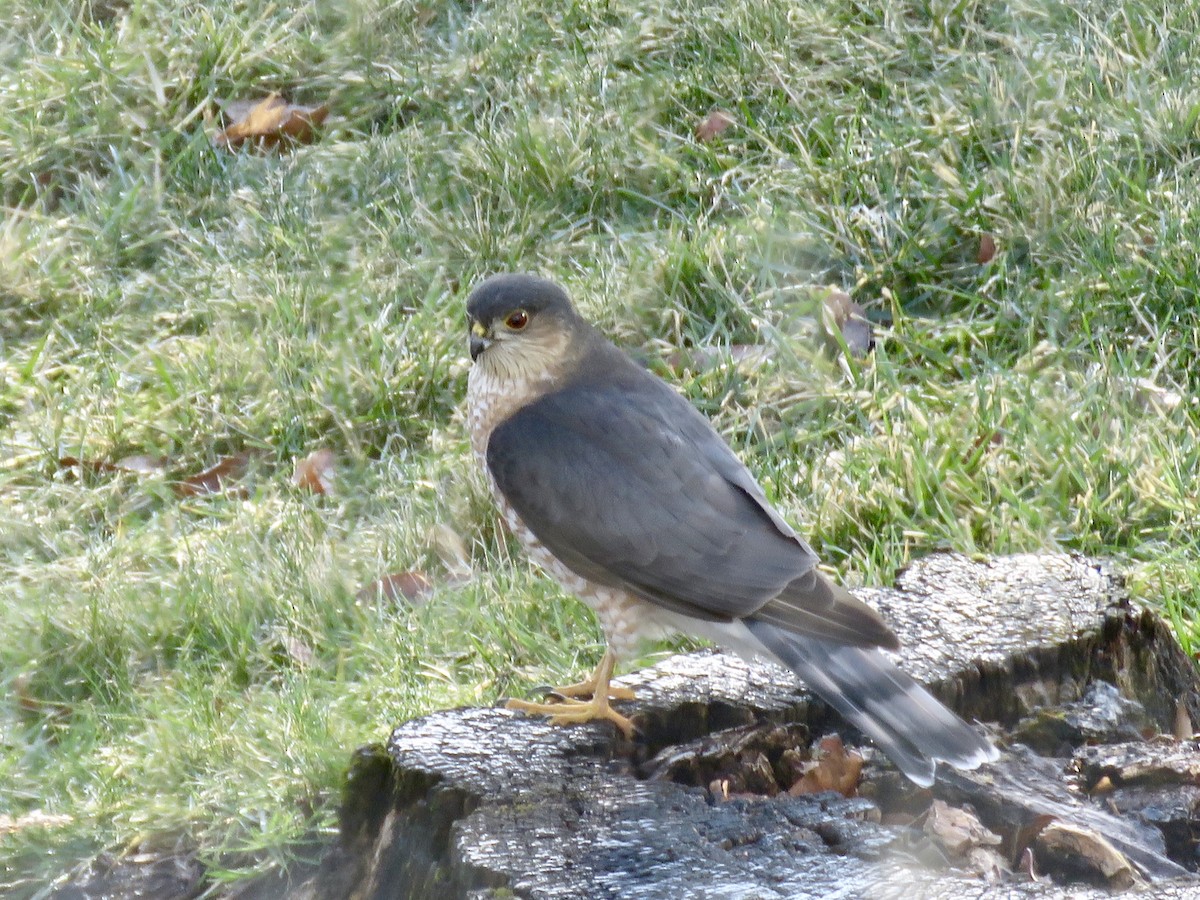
573 712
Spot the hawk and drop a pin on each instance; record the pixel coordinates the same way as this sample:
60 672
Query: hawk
622 491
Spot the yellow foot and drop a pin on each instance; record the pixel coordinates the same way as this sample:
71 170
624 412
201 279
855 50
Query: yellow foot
587 688
570 712
598 686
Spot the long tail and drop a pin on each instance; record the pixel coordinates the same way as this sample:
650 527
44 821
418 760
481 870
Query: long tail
904 720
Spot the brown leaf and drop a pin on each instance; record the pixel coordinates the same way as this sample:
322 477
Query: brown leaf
987 248
222 477
841 316
315 472
834 769
269 123
413 586
713 124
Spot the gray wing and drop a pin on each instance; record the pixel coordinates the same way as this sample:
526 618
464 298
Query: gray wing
630 486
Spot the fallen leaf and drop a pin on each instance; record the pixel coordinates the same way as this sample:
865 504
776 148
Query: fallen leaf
834 768
412 586
270 123
987 248
221 477
315 472
842 318
713 125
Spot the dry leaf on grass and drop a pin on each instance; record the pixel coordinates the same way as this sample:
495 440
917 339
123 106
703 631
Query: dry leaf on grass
987 248
223 477
315 472
412 587
270 123
713 125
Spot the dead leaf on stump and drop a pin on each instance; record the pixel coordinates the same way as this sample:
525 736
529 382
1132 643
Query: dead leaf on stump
269 123
315 472
834 768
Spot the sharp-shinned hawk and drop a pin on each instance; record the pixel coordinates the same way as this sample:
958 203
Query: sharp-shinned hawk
623 491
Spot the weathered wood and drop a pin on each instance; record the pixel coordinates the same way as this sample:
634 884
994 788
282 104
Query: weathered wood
483 802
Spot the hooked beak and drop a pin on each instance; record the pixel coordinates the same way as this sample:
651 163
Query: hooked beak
479 340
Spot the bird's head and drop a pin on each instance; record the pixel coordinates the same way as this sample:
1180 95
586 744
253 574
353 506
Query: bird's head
520 325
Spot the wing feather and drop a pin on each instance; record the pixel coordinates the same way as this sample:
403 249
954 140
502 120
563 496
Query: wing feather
630 486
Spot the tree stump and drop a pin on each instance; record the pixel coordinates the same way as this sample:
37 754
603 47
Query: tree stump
714 797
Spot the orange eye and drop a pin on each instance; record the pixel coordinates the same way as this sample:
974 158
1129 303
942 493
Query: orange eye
517 320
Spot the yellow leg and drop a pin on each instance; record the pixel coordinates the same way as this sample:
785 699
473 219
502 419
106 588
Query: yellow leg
602 672
598 686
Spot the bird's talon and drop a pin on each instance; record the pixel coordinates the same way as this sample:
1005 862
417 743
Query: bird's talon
572 712
620 692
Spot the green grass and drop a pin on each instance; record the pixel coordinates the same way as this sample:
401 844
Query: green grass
159 296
